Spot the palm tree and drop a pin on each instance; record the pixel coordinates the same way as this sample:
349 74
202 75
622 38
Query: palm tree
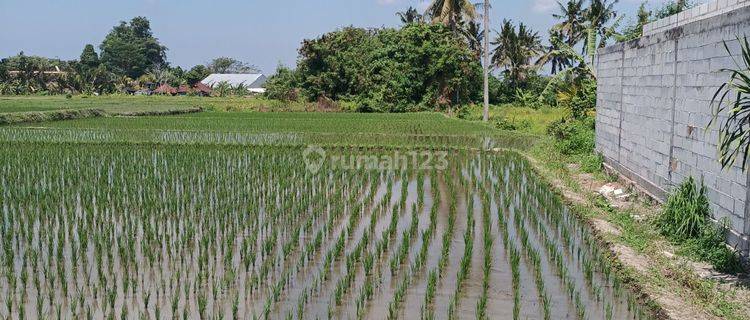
451 13
410 16
514 51
577 68
572 22
554 55
598 15
474 35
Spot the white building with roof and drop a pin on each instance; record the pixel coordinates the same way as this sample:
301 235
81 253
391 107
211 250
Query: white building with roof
253 81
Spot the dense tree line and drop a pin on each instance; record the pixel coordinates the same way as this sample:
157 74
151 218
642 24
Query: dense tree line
433 61
130 58
416 67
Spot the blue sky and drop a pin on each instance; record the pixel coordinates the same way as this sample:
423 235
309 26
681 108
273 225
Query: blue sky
264 33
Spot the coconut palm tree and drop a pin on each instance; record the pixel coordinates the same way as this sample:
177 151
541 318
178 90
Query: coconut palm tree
410 16
598 16
577 68
554 55
572 21
514 50
474 35
451 13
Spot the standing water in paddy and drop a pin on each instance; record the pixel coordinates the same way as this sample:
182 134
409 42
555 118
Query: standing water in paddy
186 231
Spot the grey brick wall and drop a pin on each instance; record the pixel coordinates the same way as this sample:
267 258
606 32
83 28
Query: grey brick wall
653 107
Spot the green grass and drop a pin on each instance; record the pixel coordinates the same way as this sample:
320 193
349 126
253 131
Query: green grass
539 119
292 122
126 103
264 128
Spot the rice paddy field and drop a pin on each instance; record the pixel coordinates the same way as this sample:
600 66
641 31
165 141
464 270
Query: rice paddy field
218 216
128 103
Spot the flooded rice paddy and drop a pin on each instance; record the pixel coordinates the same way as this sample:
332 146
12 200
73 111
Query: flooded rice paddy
188 232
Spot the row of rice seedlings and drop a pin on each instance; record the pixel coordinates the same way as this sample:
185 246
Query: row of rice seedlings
277 287
200 136
532 256
487 268
371 265
369 259
418 263
434 276
416 266
465 265
305 296
535 258
589 258
358 255
404 247
355 211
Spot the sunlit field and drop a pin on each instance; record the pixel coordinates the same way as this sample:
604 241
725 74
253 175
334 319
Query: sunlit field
192 216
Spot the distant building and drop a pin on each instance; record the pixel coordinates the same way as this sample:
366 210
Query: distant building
253 81
198 88
165 89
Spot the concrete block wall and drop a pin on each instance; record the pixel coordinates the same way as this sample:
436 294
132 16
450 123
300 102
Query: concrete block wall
701 12
653 108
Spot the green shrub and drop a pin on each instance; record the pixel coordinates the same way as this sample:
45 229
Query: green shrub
574 136
579 98
686 222
528 99
503 123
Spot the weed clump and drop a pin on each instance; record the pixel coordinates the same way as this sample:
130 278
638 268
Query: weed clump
686 222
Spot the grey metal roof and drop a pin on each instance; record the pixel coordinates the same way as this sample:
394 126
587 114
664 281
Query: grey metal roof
251 80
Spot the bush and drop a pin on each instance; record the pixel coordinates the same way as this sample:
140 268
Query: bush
282 85
579 98
414 68
503 123
574 136
686 221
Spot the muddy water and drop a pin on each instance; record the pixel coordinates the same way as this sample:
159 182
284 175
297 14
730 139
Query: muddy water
251 233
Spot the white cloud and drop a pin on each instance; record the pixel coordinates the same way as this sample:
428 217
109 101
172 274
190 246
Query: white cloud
386 2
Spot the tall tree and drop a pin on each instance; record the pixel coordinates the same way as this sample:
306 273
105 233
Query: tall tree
514 51
409 16
572 21
452 13
131 49
196 74
673 7
230 65
486 64
598 16
89 58
473 33
553 54
635 29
